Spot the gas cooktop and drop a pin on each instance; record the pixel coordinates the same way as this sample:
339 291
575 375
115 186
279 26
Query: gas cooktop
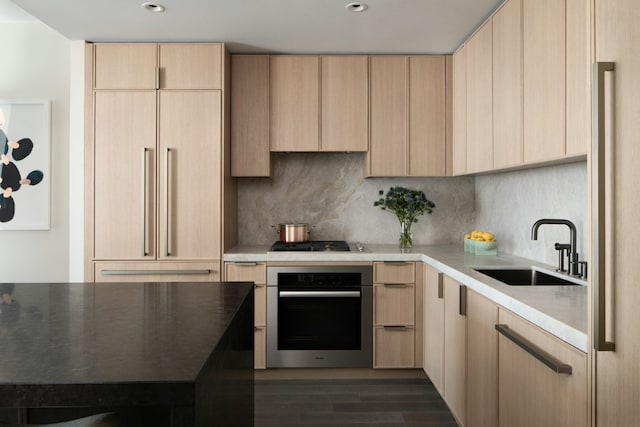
312 246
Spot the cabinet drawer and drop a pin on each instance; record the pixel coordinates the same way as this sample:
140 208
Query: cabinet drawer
394 272
154 271
246 272
394 347
394 304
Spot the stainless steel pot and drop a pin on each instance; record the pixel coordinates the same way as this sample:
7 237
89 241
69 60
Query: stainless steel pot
293 233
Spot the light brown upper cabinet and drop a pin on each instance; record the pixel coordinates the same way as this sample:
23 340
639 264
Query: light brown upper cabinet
250 155
479 100
459 141
507 85
158 66
345 103
408 116
389 143
544 79
427 106
294 103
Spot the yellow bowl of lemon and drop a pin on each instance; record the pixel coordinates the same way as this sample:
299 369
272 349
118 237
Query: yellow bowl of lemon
480 242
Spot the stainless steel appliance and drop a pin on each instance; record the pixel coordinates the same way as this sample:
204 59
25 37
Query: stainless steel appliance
312 246
319 316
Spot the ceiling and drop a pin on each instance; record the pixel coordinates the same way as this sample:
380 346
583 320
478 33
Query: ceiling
276 26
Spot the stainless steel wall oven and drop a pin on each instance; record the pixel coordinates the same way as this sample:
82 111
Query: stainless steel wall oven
319 316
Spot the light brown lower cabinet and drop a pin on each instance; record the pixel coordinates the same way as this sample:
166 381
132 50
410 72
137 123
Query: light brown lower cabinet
543 381
482 361
154 271
255 272
455 349
433 355
394 346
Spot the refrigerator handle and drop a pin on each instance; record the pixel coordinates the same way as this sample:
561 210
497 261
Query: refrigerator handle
598 194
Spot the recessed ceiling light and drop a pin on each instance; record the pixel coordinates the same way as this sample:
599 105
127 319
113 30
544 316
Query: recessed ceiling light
356 7
153 7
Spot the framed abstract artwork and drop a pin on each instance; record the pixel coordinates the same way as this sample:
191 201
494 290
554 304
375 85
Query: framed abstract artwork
25 175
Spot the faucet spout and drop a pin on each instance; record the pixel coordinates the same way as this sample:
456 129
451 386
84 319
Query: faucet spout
573 255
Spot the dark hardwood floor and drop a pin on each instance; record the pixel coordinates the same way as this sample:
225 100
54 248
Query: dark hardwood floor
404 401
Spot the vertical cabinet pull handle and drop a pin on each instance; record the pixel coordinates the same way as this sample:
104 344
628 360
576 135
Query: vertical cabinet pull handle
598 214
462 310
144 202
440 285
157 78
167 194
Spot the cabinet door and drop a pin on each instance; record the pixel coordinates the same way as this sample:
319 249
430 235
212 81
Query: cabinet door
544 79
250 115
125 65
427 144
459 112
532 394
295 103
389 143
455 349
578 75
479 100
617 384
394 272
189 174
345 103
482 361
433 356
124 175
507 85
190 66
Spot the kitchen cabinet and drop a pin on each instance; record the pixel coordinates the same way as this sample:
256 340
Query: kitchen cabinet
507 85
614 169
433 356
151 271
482 361
255 272
155 167
549 388
345 103
445 339
544 79
157 66
394 287
459 141
479 100
408 116
250 154
455 349
294 103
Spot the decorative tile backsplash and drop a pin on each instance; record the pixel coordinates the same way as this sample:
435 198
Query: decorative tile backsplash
328 191
509 203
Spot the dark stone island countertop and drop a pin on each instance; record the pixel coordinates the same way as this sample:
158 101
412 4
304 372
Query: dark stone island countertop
126 345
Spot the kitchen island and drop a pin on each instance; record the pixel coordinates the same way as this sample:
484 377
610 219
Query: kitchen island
178 354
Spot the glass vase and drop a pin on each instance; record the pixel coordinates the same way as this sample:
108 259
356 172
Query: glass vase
406 239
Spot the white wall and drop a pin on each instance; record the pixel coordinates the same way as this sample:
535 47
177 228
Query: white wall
35 64
509 203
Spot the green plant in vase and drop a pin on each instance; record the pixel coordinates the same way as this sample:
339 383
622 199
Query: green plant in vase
408 205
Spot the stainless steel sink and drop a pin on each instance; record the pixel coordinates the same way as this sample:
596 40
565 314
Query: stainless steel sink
528 277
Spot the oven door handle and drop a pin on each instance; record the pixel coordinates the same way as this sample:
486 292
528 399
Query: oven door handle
319 294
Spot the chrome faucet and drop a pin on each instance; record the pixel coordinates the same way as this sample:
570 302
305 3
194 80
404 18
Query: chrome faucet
574 264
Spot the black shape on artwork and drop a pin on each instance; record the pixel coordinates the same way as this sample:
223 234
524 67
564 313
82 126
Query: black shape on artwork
10 178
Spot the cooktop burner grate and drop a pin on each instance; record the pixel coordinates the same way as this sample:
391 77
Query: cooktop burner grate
312 246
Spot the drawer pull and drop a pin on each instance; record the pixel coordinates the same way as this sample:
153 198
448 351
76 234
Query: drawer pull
544 357
149 272
395 327
397 285
245 264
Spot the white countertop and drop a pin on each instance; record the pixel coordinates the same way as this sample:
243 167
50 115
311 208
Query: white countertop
560 310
